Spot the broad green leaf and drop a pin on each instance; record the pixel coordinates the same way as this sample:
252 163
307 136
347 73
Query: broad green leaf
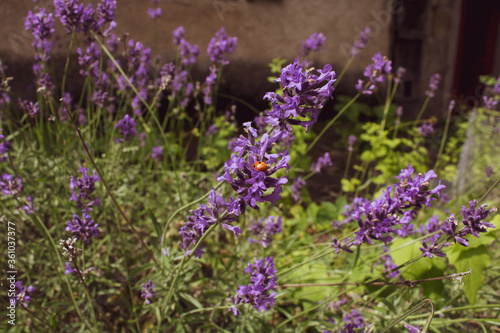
466 258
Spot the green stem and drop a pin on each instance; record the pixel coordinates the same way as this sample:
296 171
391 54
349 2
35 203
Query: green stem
410 312
73 36
388 101
349 155
330 123
184 260
421 112
443 139
344 70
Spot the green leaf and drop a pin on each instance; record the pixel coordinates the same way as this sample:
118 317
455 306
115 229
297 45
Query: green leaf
463 259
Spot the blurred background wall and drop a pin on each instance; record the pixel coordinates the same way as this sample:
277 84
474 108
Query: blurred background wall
457 38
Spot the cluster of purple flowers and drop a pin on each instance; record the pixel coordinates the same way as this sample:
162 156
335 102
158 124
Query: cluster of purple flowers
216 211
23 296
30 108
297 185
155 13
392 212
148 291
351 140
425 129
10 185
304 94
433 85
261 291
157 153
250 184
75 17
361 42
83 228
86 187
375 72
41 26
221 46
352 322
265 230
127 128
322 162
4 147
315 42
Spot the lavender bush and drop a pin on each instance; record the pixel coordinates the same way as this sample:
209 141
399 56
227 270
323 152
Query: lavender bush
143 205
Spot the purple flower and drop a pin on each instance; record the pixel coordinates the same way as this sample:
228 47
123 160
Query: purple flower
157 153
105 12
249 183
10 185
389 265
89 60
212 130
70 13
315 42
221 46
265 230
489 102
209 85
431 226
4 147
425 129
323 161
473 219
351 140
399 74
127 128
29 208
155 13
355 318
304 94
261 291
41 26
361 42
23 294
32 109
365 89
86 187
68 269
83 228
178 35
433 85
219 211
380 68
297 185
488 171
413 329
430 248
148 291
188 52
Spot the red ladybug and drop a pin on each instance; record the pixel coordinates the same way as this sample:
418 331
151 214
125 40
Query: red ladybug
260 166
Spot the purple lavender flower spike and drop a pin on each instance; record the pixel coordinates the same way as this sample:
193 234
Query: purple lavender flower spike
83 228
221 46
178 35
314 42
22 295
413 329
261 292
265 230
361 42
209 85
425 129
473 219
157 153
4 147
127 128
433 85
29 208
304 94
431 248
10 185
86 187
297 188
322 162
155 13
351 141
399 74
488 171
217 210
148 291
70 13
489 102
380 68
32 109
365 89
355 318
188 52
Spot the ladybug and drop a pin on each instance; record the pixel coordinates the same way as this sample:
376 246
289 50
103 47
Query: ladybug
260 166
